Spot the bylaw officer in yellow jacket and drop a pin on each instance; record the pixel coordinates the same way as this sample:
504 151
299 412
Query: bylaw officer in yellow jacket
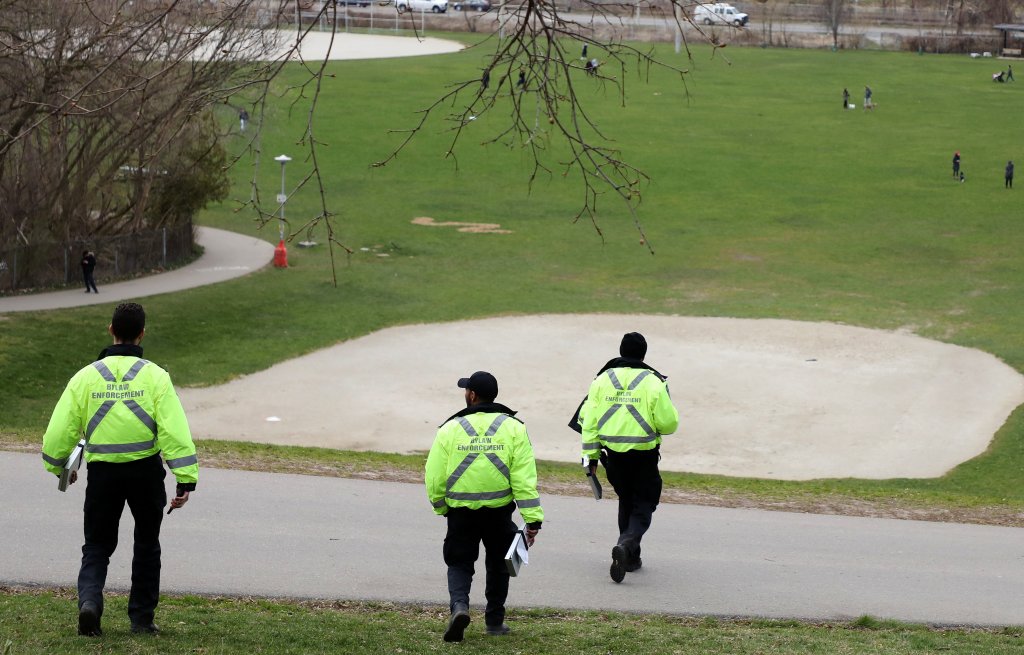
130 414
480 467
626 412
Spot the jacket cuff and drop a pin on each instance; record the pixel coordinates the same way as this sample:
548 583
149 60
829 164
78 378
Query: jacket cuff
535 525
185 486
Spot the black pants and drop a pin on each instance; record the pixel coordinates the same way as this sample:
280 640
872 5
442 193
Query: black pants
89 281
634 476
466 529
110 486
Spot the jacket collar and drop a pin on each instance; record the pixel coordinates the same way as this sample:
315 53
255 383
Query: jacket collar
627 362
482 408
121 350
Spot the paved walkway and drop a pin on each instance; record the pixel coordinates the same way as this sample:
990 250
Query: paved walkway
313 537
226 255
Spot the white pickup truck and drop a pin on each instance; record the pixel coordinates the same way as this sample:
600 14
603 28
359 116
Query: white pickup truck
720 13
436 6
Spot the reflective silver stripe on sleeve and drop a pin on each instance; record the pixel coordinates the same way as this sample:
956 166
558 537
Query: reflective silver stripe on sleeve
607 415
640 419
134 370
591 445
104 371
439 503
98 416
53 461
482 495
182 461
529 502
142 414
460 469
647 439
468 427
498 420
615 380
638 380
111 448
500 465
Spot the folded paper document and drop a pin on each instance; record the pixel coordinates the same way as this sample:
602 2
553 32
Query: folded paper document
72 465
517 554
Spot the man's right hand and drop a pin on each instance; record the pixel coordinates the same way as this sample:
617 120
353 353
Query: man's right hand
178 501
531 536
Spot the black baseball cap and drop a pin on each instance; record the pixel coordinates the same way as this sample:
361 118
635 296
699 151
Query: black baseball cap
483 383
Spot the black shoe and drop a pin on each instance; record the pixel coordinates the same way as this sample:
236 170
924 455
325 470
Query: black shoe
619 559
457 623
498 630
634 565
89 620
145 629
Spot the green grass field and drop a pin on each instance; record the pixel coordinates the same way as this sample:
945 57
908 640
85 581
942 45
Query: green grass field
765 200
44 622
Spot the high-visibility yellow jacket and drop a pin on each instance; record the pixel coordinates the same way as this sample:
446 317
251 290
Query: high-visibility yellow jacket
128 410
482 457
626 409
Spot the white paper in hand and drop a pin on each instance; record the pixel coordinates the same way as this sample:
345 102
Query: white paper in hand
517 554
72 465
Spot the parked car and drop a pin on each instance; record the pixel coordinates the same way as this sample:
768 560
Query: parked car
720 13
436 6
353 3
472 5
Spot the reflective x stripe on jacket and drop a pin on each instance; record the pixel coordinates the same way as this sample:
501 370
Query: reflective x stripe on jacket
470 458
134 407
128 409
483 460
630 416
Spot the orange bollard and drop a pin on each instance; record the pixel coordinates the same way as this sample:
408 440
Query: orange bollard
281 255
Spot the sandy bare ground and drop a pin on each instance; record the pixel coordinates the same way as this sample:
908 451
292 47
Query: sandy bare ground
765 398
318 46
345 45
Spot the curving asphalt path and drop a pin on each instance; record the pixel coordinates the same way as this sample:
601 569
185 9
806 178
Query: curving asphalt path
333 538
226 255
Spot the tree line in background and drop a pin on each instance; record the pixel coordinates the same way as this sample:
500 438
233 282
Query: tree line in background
106 121
107 107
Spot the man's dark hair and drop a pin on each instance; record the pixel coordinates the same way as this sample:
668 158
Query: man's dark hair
128 322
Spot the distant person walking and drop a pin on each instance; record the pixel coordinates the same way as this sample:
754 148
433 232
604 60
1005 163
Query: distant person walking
243 119
956 164
846 98
88 266
1009 175
867 98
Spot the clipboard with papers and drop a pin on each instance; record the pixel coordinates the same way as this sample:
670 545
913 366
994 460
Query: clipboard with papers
518 554
73 464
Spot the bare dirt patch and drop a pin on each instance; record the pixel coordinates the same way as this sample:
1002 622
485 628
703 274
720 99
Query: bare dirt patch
473 228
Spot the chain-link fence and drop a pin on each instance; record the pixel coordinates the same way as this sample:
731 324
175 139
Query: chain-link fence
56 264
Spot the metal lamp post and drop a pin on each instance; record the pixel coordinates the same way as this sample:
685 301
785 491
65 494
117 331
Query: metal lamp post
282 197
